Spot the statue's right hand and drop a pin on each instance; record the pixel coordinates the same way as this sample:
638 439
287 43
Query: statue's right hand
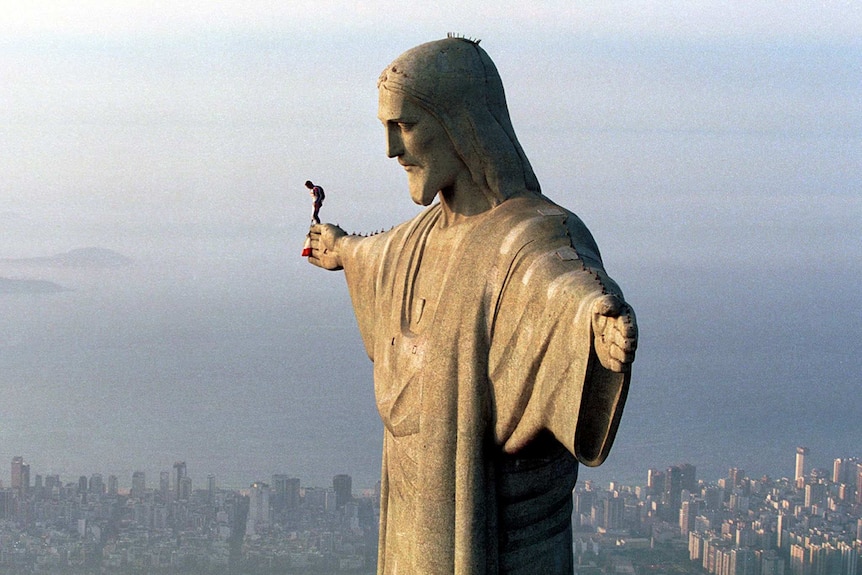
615 332
324 246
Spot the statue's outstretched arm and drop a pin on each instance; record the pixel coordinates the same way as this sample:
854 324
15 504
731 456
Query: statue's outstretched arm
615 333
326 245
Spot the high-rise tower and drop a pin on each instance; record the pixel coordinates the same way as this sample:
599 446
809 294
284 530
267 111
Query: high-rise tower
165 485
20 476
838 470
734 476
282 489
673 489
801 452
179 475
113 485
844 470
655 482
258 508
17 462
343 487
139 484
96 484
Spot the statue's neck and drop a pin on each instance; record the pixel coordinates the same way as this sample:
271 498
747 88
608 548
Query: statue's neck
460 202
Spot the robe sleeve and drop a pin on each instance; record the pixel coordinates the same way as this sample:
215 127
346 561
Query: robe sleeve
361 259
542 366
369 264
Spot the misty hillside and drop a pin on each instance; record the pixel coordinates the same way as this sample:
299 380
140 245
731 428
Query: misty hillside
89 257
8 286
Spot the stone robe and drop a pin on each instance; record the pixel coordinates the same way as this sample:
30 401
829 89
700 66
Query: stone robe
489 389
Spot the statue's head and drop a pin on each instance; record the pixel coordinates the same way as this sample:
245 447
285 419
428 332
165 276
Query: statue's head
456 82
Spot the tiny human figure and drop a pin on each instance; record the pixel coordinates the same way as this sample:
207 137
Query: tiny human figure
317 197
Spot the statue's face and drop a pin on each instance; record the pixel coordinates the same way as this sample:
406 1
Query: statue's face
421 145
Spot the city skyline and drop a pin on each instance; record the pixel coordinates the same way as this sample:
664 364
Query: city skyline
840 467
735 524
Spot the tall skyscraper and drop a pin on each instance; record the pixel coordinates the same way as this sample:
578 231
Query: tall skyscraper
688 477
844 470
815 494
282 492
139 484
583 502
712 498
113 485
742 561
20 476
343 487
613 513
165 485
25 478
687 512
655 482
179 474
801 452
185 489
782 530
799 475
838 472
798 561
849 558
771 563
17 462
7 503
673 489
286 491
734 476
258 508
52 485
96 484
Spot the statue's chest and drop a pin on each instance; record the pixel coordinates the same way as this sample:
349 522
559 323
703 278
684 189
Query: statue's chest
425 295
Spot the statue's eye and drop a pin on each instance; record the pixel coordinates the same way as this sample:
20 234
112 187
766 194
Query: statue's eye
405 126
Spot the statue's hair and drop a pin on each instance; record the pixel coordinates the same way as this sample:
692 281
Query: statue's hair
456 81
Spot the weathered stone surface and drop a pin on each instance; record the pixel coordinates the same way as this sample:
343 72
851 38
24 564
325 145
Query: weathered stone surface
501 348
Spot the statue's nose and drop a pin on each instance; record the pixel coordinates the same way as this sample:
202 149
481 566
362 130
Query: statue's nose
394 145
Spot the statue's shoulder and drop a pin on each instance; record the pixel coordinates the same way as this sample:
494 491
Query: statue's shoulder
531 206
415 225
535 218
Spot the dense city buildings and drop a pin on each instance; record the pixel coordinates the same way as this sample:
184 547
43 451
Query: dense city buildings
810 524
89 525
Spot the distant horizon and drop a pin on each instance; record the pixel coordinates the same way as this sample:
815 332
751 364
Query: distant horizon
810 469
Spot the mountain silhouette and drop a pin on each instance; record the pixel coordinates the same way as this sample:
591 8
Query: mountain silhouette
89 257
15 286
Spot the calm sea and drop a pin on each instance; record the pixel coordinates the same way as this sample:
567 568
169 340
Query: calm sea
244 369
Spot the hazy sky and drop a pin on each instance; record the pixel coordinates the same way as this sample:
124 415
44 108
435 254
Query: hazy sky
207 113
713 148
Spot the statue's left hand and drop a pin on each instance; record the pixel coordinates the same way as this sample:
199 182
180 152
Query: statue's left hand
615 333
324 246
